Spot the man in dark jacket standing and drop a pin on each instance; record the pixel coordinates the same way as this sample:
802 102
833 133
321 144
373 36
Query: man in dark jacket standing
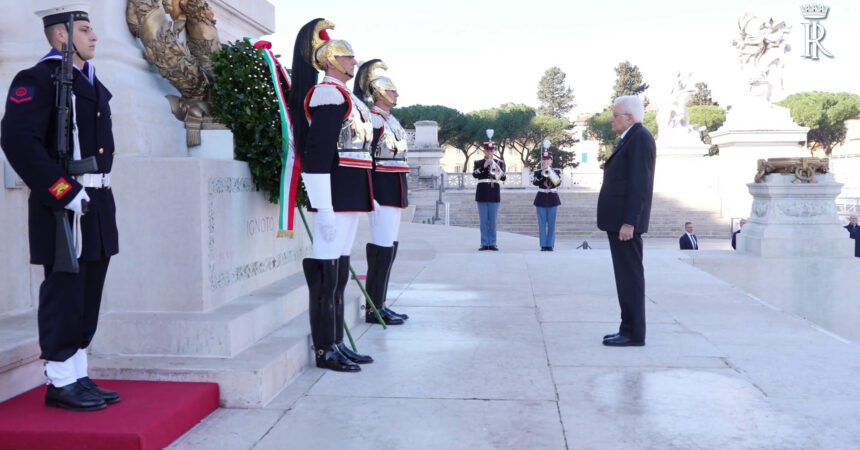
68 302
623 211
853 232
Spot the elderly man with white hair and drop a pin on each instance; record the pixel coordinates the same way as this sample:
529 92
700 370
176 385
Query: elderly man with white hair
623 212
853 232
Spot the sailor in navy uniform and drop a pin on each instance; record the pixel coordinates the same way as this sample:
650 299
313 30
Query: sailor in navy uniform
68 302
546 201
334 144
489 172
389 186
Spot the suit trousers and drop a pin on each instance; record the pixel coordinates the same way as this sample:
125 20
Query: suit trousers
546 225
488 212
69 309
629 283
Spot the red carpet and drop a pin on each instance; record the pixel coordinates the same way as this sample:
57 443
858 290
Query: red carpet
150 416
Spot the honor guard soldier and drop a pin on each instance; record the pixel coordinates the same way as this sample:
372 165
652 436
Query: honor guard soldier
334 143
389 186
547 179
489 172
58 120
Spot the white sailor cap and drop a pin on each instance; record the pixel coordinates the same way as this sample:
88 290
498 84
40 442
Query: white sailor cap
60 14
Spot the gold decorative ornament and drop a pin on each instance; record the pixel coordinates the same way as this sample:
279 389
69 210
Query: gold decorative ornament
326 49
186 66
803 169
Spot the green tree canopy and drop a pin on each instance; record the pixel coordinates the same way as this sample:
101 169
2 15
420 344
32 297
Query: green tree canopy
825 114
708 116
451 122
555 96
628 81
702 97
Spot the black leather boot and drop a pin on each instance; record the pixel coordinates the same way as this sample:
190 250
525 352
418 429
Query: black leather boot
321 275
378 262
73 397
342 280
387 277
109 397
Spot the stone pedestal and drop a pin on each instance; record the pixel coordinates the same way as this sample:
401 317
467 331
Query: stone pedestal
790 219
752 131
684 170
424 150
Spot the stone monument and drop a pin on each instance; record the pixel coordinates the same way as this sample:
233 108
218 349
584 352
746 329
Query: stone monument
755 128
201 289
424 150
793 212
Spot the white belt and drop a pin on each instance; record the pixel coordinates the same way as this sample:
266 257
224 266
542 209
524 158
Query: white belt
95 180
547 191
485 180
392 165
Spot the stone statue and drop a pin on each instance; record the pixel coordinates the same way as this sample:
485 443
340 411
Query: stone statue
761 47
681 94
186 66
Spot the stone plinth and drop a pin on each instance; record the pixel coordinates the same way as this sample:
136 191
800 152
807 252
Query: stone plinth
424 150
684 170
752 131
794 219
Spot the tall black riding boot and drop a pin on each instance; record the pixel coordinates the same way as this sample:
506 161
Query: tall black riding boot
321 275
342 280
378 261
387 277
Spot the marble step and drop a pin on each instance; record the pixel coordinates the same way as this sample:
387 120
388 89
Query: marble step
224 331
20 366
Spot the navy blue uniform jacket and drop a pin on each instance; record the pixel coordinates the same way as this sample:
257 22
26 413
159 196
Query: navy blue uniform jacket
28 135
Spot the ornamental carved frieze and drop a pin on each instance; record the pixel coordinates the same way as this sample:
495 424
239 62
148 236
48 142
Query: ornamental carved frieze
803 169
806 209
159 24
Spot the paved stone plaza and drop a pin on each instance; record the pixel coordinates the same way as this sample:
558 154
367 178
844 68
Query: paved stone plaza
503 350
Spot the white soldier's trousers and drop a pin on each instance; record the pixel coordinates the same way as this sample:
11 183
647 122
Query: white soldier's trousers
384 225
346 224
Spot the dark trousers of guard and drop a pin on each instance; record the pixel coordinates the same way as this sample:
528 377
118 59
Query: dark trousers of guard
326 279
630 284
69 309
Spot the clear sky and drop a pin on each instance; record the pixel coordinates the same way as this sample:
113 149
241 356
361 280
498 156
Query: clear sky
476 54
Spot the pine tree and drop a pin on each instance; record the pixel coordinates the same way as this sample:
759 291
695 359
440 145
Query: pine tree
629 81
702 97
555 96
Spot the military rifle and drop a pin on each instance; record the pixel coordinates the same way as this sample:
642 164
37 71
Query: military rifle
65 255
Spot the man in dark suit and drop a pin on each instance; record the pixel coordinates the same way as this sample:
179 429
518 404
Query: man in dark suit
853 232
68 302
688 240
736 233
623 212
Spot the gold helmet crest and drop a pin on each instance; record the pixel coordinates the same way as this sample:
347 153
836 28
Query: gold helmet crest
326 49
376 85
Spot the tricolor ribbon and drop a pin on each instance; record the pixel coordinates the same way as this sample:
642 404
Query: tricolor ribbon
290 165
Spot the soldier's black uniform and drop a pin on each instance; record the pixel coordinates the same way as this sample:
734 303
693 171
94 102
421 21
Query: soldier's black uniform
68 303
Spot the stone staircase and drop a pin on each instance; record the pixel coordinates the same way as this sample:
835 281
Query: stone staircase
577 215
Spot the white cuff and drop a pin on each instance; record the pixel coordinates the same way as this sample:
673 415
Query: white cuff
318 187
61 373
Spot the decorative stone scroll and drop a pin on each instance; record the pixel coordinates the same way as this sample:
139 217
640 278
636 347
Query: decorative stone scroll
804 169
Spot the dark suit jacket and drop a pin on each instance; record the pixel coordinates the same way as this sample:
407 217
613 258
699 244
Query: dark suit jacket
686 243
628 183
28 135
735 238
853 232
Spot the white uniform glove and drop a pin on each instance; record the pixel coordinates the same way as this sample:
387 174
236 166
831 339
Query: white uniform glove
75 204
318 187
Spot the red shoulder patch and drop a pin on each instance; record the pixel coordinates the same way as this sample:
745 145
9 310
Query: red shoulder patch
21 94
60 188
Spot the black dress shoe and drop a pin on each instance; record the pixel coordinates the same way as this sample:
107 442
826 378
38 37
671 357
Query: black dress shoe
610 336
332 358
543 249
108 396
395 314
73 397
353 356
387 318
484 247
622 341
549 249
493 248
